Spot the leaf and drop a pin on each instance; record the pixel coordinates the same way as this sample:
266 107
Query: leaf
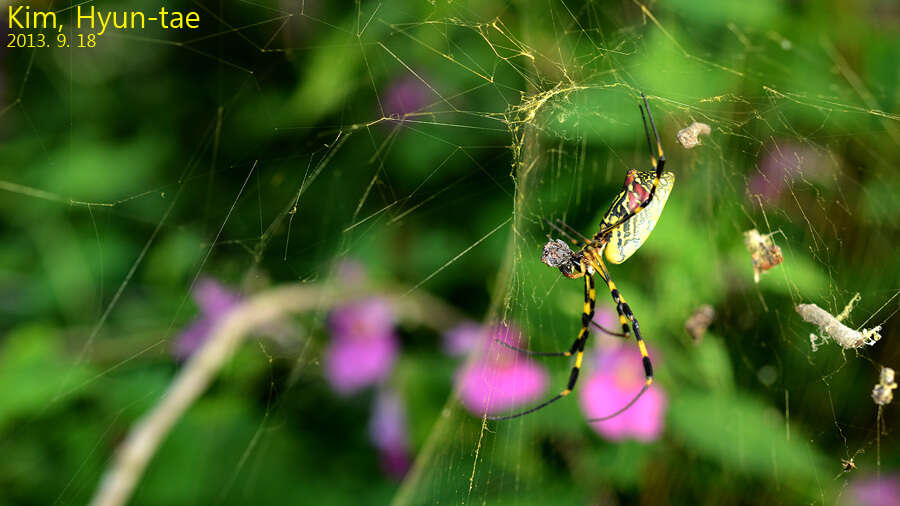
33 374
746 436
713 364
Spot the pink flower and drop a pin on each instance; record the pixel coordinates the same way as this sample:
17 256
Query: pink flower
606 318
617 377
500 378
465 337
215 302
779 163
363 345
405 95
389 433
872 491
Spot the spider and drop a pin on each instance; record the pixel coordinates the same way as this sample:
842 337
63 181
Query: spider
625 226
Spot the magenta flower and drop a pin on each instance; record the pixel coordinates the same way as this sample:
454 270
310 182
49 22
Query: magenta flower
500 378
363 345
781 162
389 433
875 491
465 337
606 318
617 376
215 301
405 95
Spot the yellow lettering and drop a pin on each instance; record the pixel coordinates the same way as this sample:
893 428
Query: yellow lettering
79 17
44 16
13 19
120 23
103 22
162 17
177 20
192 17
135 14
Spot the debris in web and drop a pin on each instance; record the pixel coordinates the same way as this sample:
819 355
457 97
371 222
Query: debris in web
883 393
831 327
848 464
689 137
764 253
699 321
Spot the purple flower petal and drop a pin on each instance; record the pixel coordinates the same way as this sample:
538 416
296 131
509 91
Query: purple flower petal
500 378
388 426
395 463
213 298
509 334
464 338
363 345
354 364
191 338
365 319
618 378
876 491
405 95
768 189
215 301
781 162
389 433
607 318
485 387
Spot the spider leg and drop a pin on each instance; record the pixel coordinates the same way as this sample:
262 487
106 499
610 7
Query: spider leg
525 351
572 229
655 133
574 348
561 223
610 332
625 316
657 167
626 330
590 298
561 232
647 133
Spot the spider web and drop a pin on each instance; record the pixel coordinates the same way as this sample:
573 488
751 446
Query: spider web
296 154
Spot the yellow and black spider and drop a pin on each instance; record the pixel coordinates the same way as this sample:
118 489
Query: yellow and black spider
625 226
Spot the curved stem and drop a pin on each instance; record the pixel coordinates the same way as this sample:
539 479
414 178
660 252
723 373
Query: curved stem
148 433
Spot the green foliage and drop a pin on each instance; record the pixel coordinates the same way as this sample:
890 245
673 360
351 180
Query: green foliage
34 374
747 436
711 365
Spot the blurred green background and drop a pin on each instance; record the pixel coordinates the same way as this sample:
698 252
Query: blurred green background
425 141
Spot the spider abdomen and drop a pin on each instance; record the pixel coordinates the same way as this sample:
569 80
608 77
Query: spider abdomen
626 238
